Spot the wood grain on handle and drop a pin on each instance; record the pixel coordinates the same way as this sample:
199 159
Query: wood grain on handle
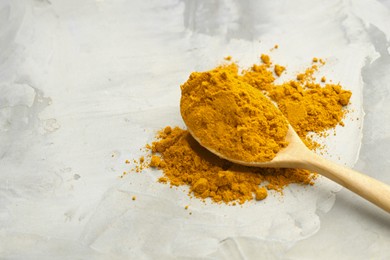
373 190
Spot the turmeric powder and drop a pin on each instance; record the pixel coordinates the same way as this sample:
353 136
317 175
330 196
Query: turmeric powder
208 176
265 59
231 117
308 106
279 70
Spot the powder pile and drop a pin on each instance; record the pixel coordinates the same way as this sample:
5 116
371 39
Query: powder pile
310 107
185 162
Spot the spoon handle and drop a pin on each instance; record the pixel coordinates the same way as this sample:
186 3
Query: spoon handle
372 190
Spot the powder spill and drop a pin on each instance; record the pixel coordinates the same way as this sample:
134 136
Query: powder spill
185 162
310 107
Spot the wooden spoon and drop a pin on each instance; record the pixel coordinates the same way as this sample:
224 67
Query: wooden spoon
297 155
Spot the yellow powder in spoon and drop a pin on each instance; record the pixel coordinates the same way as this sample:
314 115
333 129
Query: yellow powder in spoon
231 117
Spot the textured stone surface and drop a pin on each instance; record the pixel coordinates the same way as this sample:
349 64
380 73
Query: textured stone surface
85 84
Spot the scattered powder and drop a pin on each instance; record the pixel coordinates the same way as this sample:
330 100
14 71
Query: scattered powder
140 164
311 108
265 59
261 193
279 70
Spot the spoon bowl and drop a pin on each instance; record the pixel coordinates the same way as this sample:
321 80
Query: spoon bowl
297 155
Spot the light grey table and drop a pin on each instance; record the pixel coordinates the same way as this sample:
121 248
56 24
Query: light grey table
85 84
